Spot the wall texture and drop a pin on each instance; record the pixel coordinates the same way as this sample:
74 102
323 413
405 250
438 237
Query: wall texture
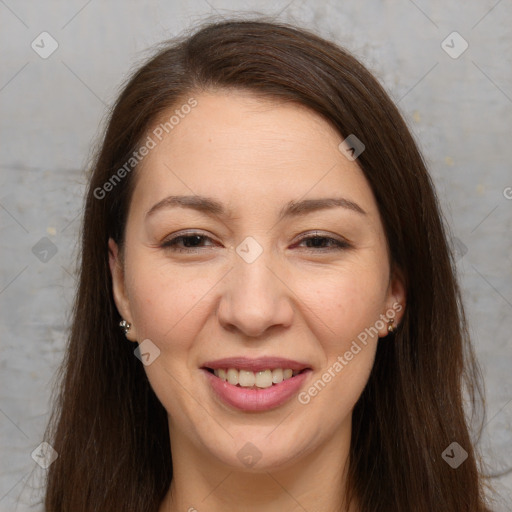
448 65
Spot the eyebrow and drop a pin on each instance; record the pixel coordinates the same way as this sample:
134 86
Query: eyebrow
214 208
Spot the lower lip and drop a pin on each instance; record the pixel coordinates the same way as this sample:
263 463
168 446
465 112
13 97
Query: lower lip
247 399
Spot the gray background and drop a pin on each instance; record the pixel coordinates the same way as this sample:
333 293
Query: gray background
459 109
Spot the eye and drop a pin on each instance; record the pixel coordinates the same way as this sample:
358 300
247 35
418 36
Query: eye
317 242
188 242
193 242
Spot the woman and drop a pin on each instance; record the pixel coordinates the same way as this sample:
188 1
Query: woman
260 224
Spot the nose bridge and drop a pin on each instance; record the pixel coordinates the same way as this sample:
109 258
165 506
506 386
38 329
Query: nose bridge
254 299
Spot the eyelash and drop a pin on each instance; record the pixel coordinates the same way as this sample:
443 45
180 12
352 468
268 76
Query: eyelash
171 244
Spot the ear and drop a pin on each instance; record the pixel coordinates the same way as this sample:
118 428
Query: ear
118 287
395 301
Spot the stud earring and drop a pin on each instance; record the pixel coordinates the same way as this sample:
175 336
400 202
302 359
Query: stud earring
391 327
125 326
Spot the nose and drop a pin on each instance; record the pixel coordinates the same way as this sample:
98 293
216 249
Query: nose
255 297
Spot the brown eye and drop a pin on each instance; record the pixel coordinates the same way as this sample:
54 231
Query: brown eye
318 242
189 242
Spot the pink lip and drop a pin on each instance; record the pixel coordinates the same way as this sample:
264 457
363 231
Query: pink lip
255 365
250 399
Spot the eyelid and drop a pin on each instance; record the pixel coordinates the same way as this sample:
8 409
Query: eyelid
320 234
187 232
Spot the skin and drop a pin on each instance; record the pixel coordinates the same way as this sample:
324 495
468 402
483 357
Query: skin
294 300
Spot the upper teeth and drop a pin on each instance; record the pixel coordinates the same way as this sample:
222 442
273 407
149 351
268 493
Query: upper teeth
248 379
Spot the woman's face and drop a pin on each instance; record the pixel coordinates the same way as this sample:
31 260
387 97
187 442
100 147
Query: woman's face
285 267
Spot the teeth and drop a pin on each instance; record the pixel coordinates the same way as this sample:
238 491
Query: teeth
248 379
277 376
264 379
232 376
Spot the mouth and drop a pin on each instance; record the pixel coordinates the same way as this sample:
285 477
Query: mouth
261 373
255 391
255 384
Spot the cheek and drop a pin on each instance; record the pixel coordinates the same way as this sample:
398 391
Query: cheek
344 303
345 312
169 305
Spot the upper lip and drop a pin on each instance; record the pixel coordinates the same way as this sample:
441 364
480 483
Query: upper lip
256 365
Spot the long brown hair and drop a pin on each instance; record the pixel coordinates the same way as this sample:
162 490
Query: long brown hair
108 427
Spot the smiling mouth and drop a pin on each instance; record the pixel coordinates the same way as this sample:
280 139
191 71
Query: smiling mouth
255 380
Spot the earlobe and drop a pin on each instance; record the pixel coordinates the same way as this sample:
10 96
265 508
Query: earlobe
118 287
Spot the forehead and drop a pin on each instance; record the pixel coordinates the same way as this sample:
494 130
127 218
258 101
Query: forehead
246 149
238 125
